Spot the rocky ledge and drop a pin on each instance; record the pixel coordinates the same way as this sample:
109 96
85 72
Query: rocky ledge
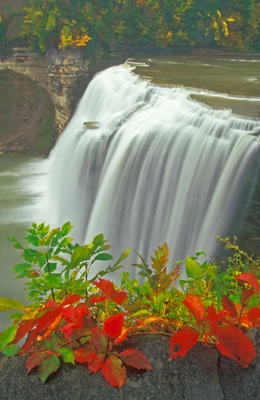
203 374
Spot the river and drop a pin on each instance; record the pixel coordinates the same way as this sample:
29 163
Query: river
222 82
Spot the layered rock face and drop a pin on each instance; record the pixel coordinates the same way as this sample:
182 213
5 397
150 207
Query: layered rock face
42 93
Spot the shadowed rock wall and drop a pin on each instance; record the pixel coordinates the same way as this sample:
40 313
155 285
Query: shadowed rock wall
63 75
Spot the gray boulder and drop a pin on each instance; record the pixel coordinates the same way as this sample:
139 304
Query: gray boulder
203 374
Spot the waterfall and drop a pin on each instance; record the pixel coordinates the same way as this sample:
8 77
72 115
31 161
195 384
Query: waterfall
145 164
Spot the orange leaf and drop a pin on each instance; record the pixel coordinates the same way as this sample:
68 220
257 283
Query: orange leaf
122 336
182 341
195 305
135 359
114 371
113 326
232 342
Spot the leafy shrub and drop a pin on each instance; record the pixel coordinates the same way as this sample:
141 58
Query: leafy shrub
82 320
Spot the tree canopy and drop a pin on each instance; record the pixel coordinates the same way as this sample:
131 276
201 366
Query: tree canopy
233 24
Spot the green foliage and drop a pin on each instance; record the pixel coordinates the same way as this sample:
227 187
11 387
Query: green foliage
159 23
77 319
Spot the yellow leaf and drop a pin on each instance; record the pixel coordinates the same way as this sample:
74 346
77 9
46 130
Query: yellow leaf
10 304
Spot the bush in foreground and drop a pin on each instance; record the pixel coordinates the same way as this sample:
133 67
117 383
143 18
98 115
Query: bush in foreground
77 319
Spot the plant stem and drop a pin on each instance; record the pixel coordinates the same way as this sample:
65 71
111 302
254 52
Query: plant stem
49 270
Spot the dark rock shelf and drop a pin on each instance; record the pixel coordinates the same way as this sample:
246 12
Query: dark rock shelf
203 374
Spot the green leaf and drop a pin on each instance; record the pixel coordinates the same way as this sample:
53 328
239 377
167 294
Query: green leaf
182 284
98 240
15 242
66 228
253 301
81 253
50 267
33 294
29 254
10 304
32 239
124 255
61 260
11 350
141 313
67 355
21 267
193 269
48 366
7 336
104 257
16 315
54 280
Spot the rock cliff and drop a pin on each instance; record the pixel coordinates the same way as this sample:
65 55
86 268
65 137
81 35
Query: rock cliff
40 92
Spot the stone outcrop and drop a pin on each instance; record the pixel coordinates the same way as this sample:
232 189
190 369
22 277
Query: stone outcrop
67 73
26 115
61 75
203 374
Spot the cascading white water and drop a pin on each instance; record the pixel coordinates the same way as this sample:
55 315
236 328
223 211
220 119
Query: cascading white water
156 167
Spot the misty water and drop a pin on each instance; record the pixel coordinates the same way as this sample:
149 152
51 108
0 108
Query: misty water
231 83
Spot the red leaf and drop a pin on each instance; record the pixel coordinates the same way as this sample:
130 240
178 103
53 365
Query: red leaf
111 293
246 294
113 326
114 371
118 297
215 318
105 285
135 359
35 360
24 327
232 342
248 278
254 316
122 336
75 318
99 339
30 339
229 305
74 314
85 354
96 363
46 319
51 304
98 299
195 305
71 299
182 341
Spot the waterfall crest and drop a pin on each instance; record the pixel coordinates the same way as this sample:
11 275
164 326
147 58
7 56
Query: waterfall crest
144 164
